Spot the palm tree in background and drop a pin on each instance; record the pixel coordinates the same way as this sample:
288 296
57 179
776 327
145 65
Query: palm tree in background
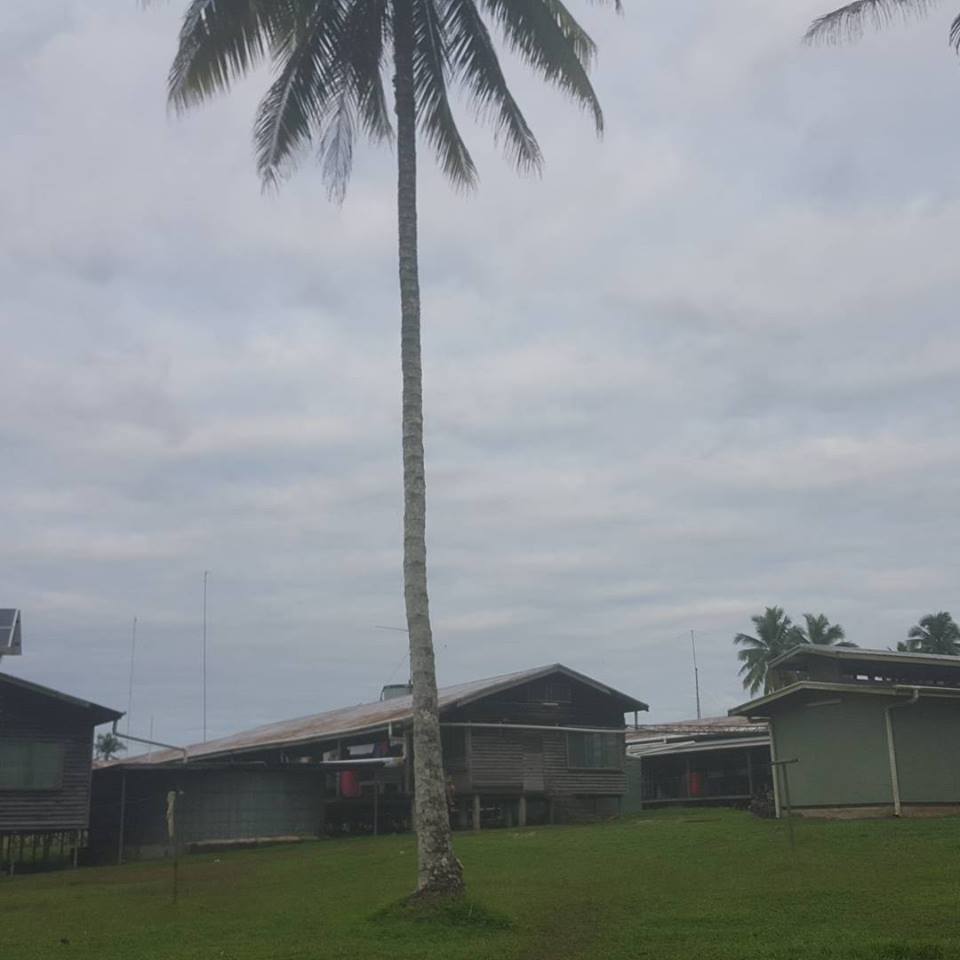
774 634
108 745
935 633
332 60
820 631
849 20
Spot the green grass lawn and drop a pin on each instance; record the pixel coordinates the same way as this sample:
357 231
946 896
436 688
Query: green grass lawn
710 884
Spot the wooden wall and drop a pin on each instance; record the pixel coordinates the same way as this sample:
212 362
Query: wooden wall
25 715
512 761
528 761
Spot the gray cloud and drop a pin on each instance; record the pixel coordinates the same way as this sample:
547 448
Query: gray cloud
704 365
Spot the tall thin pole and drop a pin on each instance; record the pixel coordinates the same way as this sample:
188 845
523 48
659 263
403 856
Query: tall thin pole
696 672
206 573
133 655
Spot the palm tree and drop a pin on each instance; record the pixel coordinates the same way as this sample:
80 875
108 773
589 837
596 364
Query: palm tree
108 745
821 632
331 58
935 633
775 634
848 21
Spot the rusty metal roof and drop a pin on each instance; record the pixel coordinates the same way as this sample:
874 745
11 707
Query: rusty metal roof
706 727
367 717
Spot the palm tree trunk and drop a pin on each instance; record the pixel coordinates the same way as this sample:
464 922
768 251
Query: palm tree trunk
438 870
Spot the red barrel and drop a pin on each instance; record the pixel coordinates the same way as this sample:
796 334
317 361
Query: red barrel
349 784
695 783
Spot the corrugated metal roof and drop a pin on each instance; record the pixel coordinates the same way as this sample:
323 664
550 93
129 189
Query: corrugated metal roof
367 716
706 725
99 714
656 748
866 655
703 728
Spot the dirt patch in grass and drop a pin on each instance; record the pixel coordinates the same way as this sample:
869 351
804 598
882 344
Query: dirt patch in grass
444 912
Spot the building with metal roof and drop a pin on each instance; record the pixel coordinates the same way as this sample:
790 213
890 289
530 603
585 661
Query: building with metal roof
534 746
862 732
711 761
46 750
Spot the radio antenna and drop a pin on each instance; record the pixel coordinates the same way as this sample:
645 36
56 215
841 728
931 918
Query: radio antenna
696 672
133 657
206 573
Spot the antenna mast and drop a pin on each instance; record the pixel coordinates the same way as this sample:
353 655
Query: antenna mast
206 573
696 672
133 654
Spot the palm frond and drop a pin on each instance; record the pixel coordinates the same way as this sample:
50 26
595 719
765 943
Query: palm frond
546 35
220 41
336 145
848 22
476 64
364 32
955 34
431 72
310 81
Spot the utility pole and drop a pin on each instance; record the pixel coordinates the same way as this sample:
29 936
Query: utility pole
133 654
696 672
206 573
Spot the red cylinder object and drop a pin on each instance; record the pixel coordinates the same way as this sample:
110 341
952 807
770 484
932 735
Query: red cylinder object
696 783
349 784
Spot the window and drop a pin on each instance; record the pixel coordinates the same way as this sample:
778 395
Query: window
602 751
30 765
453 741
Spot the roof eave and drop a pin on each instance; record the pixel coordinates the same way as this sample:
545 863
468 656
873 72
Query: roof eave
888 690
100 714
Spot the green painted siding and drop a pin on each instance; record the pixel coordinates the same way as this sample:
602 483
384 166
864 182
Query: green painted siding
927 738
841 751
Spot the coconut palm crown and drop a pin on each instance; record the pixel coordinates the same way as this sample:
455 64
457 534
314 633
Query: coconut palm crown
774 634
849 21
820 631
331 59
935 633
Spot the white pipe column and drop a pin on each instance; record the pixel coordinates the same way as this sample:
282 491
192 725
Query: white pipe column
774 770
892 750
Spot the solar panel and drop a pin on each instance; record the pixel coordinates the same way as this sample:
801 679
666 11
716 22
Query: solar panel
10 632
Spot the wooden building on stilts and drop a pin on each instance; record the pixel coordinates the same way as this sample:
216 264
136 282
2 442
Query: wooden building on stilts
538 746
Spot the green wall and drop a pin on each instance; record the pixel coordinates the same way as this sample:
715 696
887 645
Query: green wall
841 749
927 738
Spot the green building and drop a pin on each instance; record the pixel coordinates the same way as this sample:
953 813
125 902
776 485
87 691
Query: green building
862 732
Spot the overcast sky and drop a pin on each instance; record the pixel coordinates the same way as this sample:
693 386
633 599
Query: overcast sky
705 365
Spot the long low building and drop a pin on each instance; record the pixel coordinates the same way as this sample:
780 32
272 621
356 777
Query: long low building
712 761
858 732
542 745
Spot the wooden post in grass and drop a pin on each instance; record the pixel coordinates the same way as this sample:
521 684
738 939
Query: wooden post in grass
476 811
172 834
780 766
